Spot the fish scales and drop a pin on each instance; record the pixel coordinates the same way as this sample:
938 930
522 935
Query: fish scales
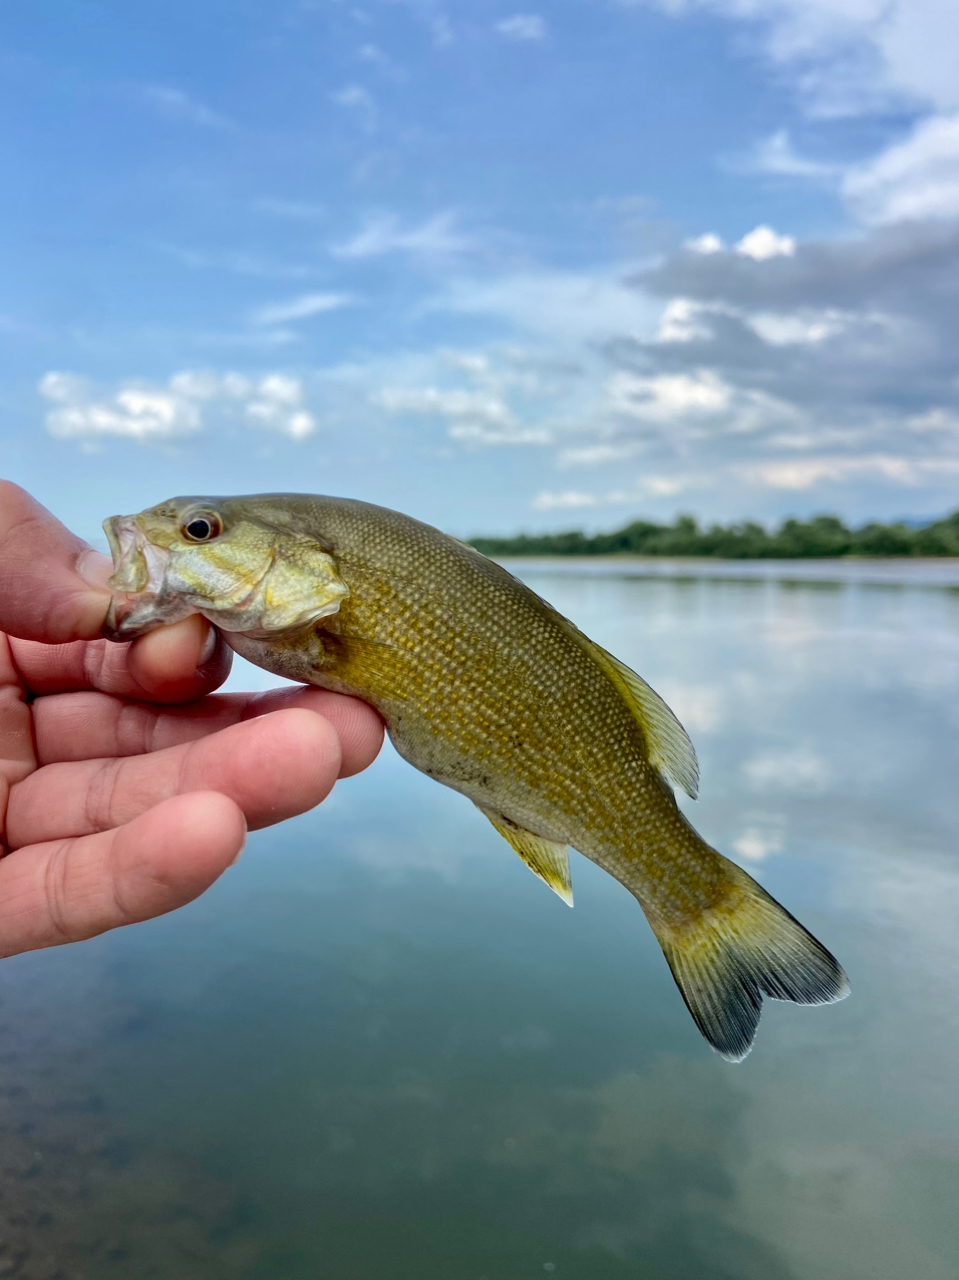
493 705
486 688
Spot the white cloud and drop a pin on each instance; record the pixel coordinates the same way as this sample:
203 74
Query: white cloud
203 384
683 320
596 455
382 234
301 308
152 414
757 843
798 769
850 56
456 404
668 396
472 416
708 242
776 155
806 473
865 57
661 487
780 329
476 364
763 243
649 486
174 104
699 706
277 404
476 433
760 244
567 500
915 178
523 26
137 411
935 420
687 320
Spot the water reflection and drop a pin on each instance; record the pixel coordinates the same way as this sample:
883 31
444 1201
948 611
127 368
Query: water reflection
381 1049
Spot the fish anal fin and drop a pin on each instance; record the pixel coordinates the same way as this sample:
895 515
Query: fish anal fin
547 859
670 749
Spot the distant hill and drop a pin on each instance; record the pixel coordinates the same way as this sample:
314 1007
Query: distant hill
794 539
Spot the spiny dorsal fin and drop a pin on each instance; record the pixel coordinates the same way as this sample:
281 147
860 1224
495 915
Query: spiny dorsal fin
545 858
670 749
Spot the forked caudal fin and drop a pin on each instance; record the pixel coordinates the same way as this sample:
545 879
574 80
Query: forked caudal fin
745 947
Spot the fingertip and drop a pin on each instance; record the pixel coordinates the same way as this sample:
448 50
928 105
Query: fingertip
289 763
357 725
181 661
175 851
361 732
309 746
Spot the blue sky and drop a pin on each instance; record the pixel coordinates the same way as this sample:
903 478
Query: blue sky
500 267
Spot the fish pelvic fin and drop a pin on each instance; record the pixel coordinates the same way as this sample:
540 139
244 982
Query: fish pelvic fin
547 859
739 950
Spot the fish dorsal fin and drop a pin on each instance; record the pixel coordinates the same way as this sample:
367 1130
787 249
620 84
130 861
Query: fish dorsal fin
547 859
670 749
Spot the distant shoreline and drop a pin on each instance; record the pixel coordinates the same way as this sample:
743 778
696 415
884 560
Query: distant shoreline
821 538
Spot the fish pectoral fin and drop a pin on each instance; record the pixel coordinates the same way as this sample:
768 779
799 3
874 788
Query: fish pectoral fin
547 859
670 749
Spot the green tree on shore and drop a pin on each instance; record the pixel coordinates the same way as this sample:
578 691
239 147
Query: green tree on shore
794 539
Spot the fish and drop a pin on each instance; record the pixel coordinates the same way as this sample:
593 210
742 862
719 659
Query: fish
488 689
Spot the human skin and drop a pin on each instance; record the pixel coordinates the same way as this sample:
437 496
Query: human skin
126 785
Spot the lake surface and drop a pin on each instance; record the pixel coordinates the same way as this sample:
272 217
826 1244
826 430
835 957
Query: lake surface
380 1049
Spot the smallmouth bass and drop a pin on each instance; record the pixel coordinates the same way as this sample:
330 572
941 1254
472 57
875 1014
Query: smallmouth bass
486 688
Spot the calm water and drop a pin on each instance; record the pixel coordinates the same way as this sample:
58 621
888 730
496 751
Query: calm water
380 1049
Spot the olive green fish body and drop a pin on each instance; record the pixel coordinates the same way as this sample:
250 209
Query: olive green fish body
490 691
486 688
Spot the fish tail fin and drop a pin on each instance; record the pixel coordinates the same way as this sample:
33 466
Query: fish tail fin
738 950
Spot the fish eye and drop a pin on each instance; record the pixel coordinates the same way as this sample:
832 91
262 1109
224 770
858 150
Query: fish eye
202 526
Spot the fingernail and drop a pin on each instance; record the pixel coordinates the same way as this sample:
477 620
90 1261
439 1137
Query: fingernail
95 569
209 644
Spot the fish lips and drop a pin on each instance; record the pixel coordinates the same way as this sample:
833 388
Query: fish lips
140 603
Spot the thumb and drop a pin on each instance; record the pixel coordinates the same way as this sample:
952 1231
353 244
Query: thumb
52 584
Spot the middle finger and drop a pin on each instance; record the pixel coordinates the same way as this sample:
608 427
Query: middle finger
273 767
85 726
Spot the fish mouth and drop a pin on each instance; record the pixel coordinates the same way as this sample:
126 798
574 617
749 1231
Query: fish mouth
138 565
139 570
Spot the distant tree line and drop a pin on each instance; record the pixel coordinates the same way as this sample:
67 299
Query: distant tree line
794 539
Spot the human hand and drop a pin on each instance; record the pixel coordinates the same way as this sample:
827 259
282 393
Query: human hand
126 787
